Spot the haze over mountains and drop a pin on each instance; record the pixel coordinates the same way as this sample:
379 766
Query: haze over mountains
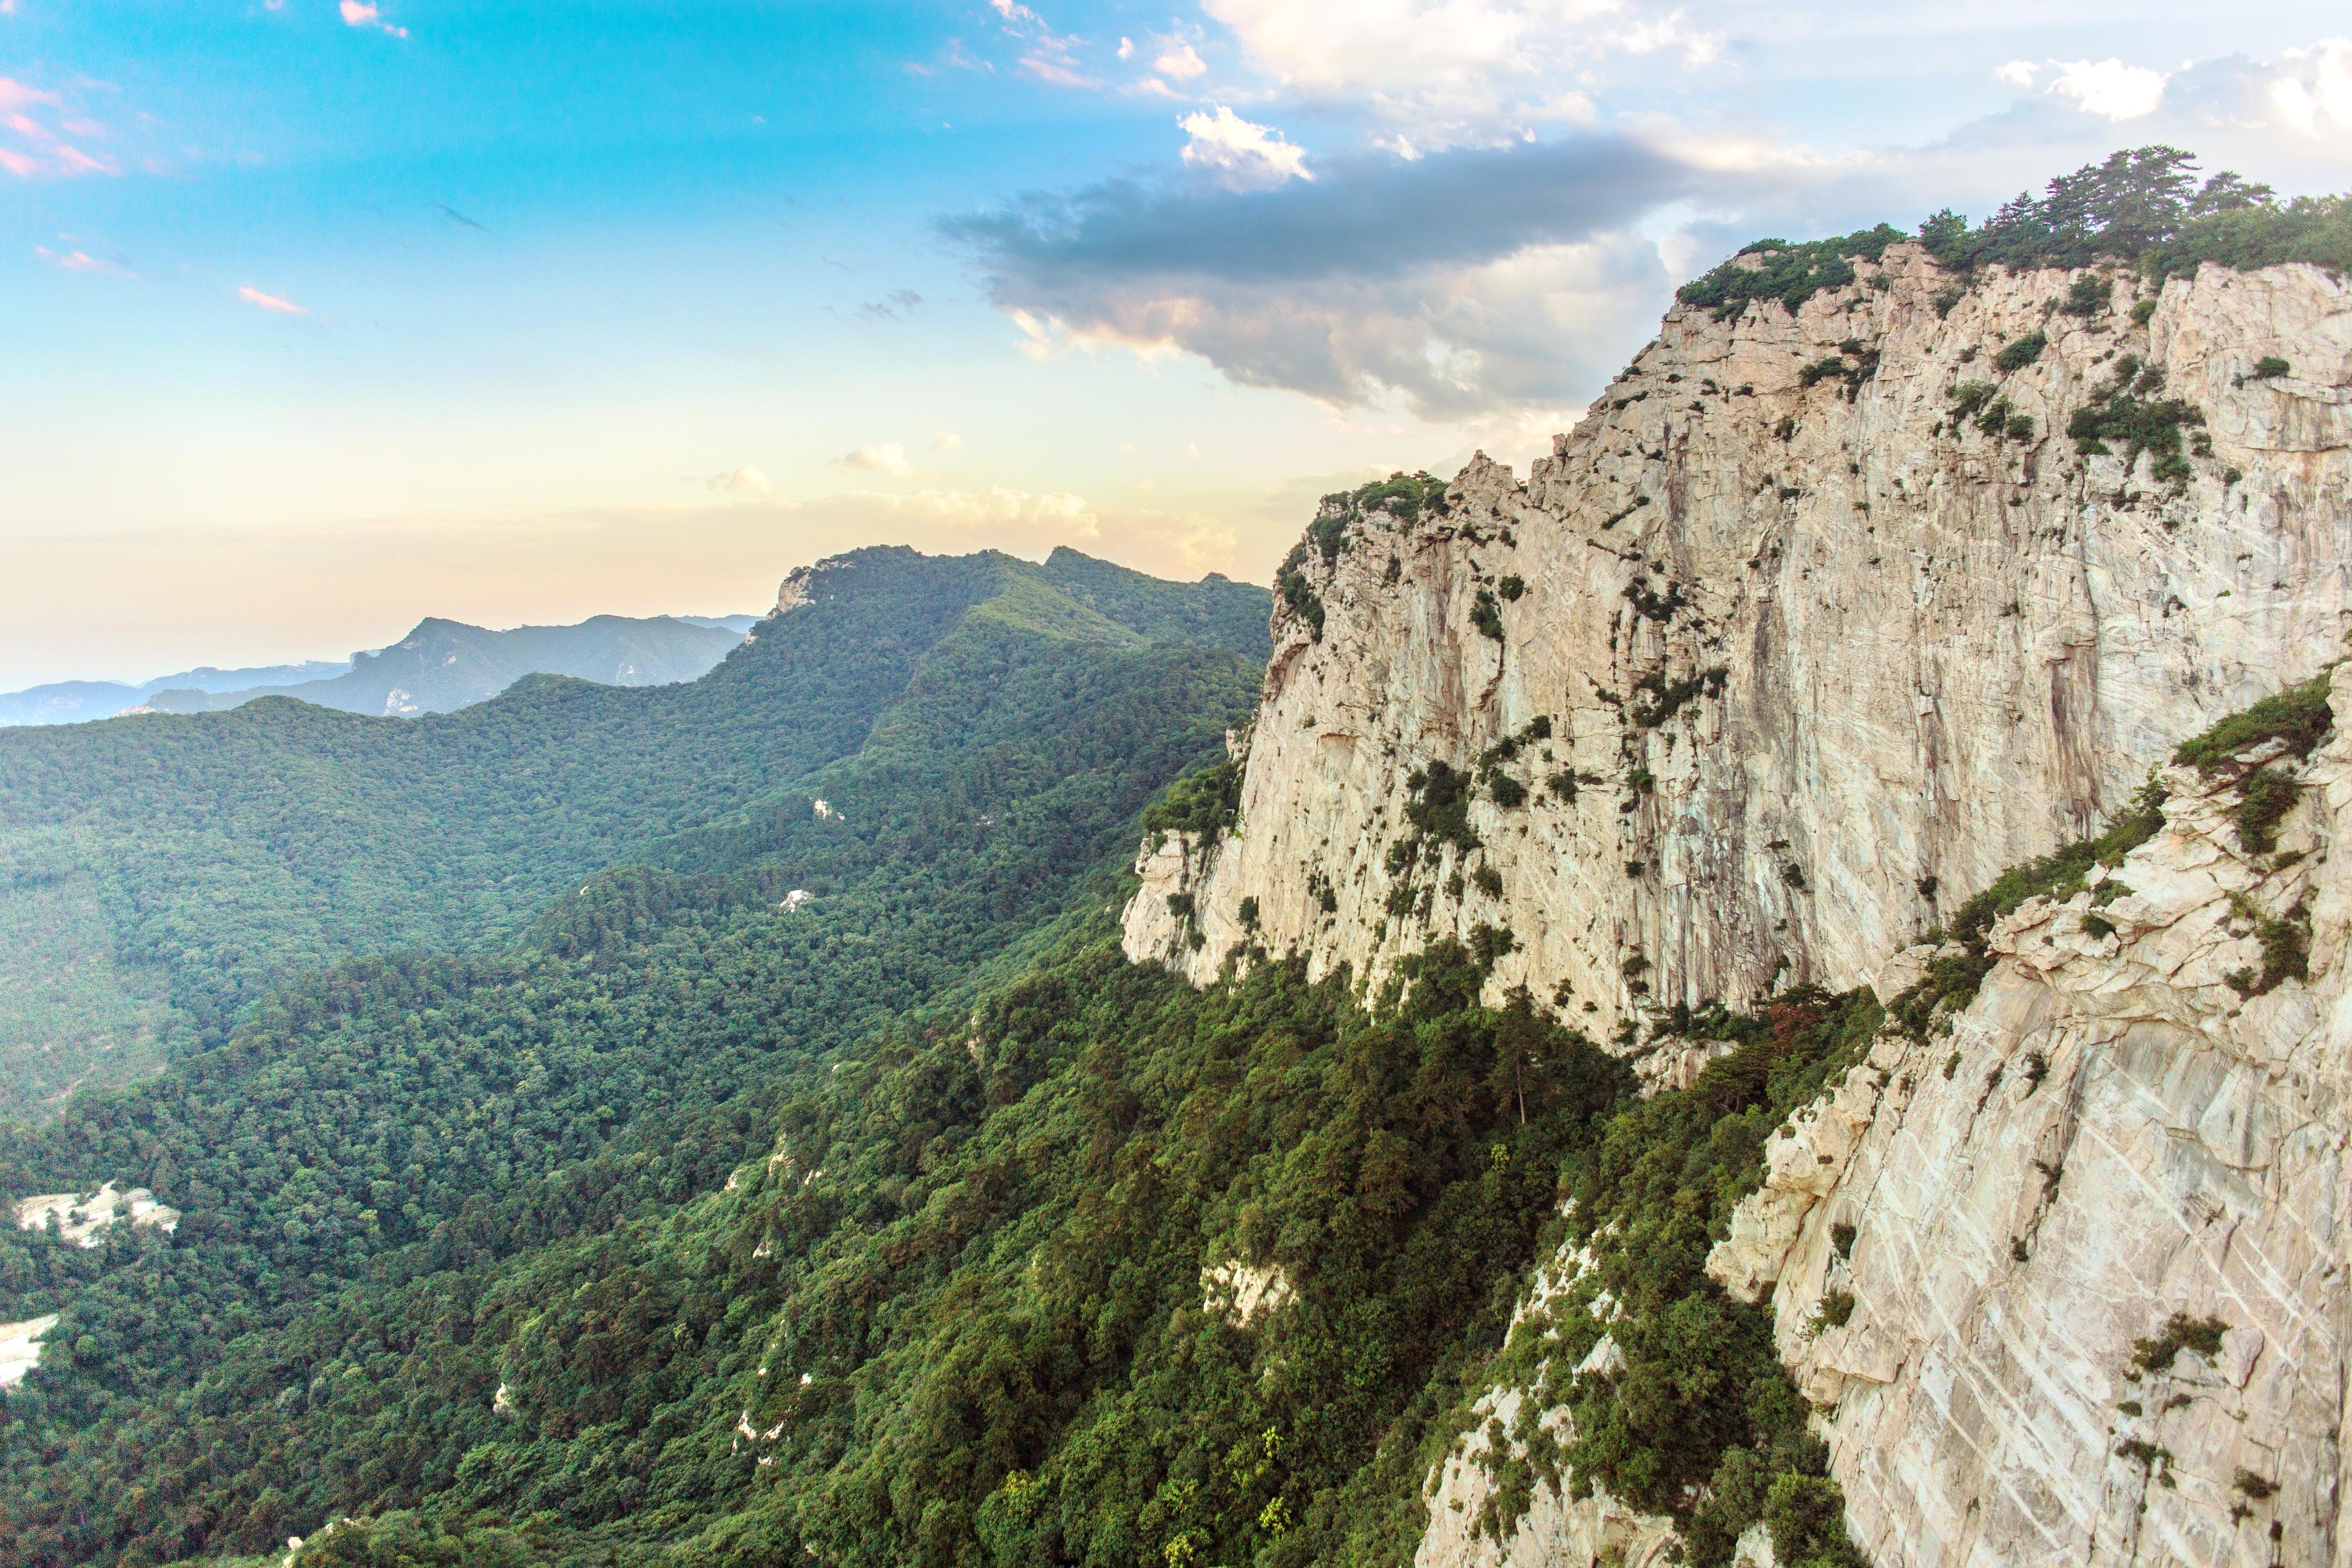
440 666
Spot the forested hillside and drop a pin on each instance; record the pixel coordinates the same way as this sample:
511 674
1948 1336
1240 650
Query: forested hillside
158 874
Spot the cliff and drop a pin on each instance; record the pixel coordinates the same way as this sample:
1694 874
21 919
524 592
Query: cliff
1816 622
2084 1248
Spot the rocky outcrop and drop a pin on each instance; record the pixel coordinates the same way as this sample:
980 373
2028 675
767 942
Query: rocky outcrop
2067 1283
1785 652
1554 1531
84 1220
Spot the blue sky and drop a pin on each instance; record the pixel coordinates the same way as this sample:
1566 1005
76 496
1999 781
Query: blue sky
324 315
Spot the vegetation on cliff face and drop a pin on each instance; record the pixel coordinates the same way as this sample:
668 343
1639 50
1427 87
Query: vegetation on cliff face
1693 1416
2143 207
2297 720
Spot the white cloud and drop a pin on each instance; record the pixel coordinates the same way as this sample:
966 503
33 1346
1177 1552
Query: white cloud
745 480
2017 73
2110 87
2313 92
880 457
1670 31
82 261
1127 49
1181 63
277 303
945 441
1455 70
1245 153
33 127
366 14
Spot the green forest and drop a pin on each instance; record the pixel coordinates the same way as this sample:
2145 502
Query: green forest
158 874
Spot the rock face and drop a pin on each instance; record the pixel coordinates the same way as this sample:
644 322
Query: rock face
2092 1307
1818 653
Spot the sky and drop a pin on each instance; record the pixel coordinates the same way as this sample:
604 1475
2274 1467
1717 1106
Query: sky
322 316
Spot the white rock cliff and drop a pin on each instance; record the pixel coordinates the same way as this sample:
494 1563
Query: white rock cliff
1941 651
1796 654
2113 1138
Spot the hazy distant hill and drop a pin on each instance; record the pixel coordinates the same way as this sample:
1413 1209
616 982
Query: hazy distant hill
78 702
447 665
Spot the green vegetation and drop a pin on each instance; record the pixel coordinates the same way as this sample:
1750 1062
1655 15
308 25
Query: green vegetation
2017 355
1403 496
1657 699
164 873
392 1154
1701 1422
2089 295
1439 808
2143 207
1204 803
2298 717
1791 274
1990 410
1487 615
2180 1332
2126 410
1952 980
2286 942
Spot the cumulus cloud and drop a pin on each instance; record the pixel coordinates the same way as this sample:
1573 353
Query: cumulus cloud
879 457
82 261
745 480
1181 63
278 304
2311 92
35 128
1239 152
945 441
1455 70
2110 87
366 14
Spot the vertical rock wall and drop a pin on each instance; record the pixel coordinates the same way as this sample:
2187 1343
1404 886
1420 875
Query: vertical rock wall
1821 657
2095 1292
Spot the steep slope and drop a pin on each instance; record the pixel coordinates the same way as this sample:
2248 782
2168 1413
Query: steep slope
443 666
1815 622
159 874
2085 1237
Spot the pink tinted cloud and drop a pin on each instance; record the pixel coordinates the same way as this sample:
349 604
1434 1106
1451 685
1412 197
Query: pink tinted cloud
283 306
82 261
364 13
34 125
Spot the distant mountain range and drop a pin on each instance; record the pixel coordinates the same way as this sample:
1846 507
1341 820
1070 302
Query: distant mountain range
440 666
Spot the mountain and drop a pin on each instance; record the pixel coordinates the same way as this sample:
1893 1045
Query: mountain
158 877
1774 993
1861 607
77 701
446 665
